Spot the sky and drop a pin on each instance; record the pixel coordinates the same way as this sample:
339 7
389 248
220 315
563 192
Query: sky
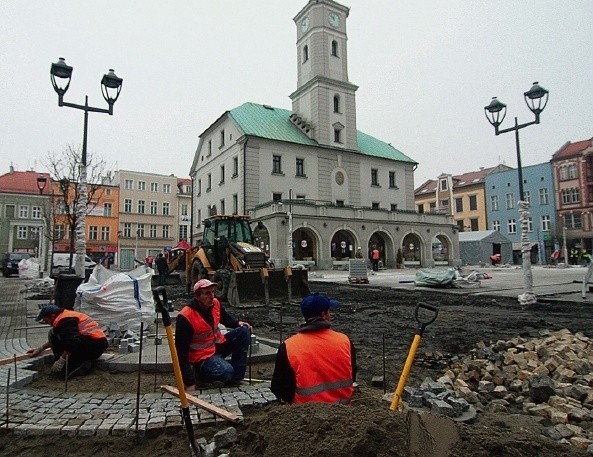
425 70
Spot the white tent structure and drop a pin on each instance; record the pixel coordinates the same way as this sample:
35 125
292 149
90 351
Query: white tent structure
477 247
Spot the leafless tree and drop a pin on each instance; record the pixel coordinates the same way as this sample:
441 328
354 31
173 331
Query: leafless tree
65 170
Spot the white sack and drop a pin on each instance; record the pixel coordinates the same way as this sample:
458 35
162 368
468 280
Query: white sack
125 299
29 268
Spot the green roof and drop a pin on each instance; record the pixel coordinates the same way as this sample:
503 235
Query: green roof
265 121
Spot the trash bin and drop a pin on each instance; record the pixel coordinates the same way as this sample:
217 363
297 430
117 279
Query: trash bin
65 290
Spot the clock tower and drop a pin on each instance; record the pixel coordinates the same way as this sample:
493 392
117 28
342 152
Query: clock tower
324 104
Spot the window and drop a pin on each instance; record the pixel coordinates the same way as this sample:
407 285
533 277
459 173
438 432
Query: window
21 232
375 205
221 174
152 231
543 196
235 204
392 184
337 135
305 53
209 182
166 231
128 184
105 233
141 206
222 207
36 212
571 196
573 221
530 224
545 223
510 201
473 203
166 208
573 171
154 186
141 185
276 197
107 191
93 232
221 138
183 232
128 205
334 48
444 203
336 104
300 167
527 196
576 195
23 212
420 208
494 203
393 207
140 231
167 188
374 177
107 209
184 209
444 184
277 164
209 148
461 225
59 231
512 226
432 206
154 208
235 167
127 229
340 203
474 224
199 189
496 225
459 205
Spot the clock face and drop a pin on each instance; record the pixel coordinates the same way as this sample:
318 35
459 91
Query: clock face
305 24
334 19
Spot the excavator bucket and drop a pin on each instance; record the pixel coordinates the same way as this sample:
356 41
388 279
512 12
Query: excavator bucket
263 285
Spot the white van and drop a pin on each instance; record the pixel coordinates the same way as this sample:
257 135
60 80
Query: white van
61 261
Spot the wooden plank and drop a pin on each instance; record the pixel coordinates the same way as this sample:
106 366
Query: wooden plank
20 357
231 417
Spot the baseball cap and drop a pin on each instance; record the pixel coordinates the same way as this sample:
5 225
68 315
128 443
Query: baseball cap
314 304
203 284
47 310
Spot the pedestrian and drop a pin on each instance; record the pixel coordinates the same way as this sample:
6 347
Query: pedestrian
163 268
202 347
375 257
358 254
74 336
317 364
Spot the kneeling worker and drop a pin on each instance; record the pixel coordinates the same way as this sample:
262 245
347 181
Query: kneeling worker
317 364
74 336
201 346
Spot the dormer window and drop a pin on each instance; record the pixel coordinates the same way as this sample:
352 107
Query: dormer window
305 53
334 48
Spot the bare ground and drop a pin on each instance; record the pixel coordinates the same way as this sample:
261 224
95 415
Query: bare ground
381 324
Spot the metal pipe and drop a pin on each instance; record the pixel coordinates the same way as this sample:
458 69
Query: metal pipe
139 376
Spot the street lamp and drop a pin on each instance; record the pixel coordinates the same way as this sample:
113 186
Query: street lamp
110 87
536 99
41 183
119 233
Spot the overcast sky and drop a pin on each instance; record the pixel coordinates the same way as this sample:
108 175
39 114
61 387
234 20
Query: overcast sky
425 71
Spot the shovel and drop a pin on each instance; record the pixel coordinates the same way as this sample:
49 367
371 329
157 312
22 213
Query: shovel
177 370
422 324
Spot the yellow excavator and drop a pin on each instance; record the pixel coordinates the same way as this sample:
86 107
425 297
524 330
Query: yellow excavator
227 255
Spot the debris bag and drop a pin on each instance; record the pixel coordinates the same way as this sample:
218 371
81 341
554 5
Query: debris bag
435 278
29 268
114 297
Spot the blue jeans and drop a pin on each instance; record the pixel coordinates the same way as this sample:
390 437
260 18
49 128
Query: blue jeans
216 368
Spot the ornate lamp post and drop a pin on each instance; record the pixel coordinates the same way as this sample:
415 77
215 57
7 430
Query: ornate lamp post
536 99
41 183
110 87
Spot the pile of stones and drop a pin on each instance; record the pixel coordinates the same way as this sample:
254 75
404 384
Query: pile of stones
124 339
550 377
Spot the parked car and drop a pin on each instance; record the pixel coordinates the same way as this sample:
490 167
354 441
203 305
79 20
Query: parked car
10 262
61 263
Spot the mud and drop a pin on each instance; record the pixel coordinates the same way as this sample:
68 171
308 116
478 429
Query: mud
381 324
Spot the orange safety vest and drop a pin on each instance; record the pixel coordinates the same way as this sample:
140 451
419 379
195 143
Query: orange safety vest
86 326
375 255
322 364
204 338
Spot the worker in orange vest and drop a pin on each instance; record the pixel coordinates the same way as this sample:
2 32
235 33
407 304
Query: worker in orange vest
317 364
375 257
495 259
74 336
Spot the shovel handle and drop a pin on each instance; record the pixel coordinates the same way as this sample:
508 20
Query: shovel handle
425 323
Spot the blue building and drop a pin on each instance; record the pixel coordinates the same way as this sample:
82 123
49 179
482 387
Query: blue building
502 213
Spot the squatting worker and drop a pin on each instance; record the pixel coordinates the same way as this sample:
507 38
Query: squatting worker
201 346
74 336
317 364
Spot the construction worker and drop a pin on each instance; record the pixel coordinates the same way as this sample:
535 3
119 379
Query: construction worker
162 267
317 364
375 257
74 337
202 347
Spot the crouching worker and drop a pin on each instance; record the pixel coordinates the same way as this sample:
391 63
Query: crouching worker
201 346
317 364
73 336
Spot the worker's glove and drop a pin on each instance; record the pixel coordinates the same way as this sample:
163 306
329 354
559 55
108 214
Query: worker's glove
58 365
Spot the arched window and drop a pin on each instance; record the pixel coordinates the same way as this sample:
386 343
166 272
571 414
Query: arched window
336 103
334 48
305 53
